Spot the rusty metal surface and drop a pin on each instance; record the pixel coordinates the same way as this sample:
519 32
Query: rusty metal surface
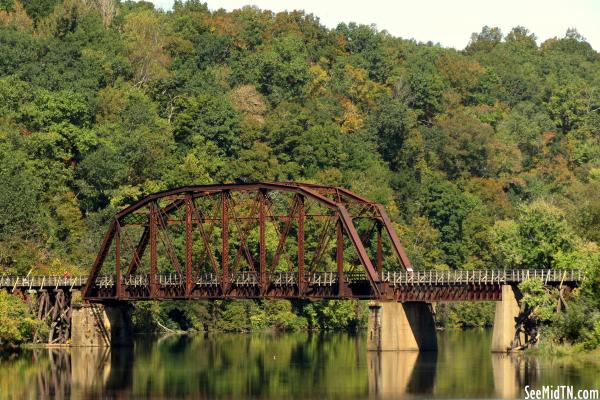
252 236
262 240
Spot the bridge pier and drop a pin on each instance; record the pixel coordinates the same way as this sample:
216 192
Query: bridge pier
101 325
507 311
401 326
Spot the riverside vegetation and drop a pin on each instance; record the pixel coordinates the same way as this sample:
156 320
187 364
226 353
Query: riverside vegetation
487 157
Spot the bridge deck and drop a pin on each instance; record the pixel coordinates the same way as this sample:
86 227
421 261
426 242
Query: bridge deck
402 286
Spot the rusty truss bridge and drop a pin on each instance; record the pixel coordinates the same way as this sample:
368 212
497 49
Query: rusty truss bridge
273 240
260 241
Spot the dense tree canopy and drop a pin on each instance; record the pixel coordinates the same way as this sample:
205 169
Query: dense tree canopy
486 157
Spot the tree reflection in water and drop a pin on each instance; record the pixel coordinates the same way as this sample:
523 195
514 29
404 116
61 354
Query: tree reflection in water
282 366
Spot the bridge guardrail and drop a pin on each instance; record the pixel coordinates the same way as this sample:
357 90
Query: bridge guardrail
250 278
433 277
40 282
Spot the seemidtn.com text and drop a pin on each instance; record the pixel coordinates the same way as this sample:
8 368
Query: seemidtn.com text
558 392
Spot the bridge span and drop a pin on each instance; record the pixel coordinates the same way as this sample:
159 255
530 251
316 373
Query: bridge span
404 323
268 240
428 285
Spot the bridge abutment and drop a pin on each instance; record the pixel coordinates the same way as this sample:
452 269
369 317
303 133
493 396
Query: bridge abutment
401 326
507 311
101 325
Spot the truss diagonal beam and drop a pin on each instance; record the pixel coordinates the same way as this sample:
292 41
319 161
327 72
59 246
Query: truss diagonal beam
243 232
196 214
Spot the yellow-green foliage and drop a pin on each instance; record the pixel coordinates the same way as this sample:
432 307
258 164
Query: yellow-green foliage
17 324
541 299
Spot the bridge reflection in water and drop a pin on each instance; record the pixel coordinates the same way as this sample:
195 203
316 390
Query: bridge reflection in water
269 366
64 373
394 374
408 374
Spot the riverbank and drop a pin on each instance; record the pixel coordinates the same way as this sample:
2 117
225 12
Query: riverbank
565 351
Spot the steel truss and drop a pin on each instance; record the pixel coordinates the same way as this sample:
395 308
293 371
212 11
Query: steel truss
246 236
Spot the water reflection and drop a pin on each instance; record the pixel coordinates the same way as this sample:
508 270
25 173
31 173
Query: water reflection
396 374
283 366
511 373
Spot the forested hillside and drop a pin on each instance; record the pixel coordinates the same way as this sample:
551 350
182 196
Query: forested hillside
487 157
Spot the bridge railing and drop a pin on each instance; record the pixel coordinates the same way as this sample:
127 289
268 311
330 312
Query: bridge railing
40 282
242 278
250 278
434 277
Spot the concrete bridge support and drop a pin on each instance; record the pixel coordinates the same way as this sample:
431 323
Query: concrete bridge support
401 326
101 325
507 311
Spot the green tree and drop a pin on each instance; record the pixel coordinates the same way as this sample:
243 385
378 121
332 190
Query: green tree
17 324
465 148
208 118
20 195
391 122
536 239
38 9
459 218
144 35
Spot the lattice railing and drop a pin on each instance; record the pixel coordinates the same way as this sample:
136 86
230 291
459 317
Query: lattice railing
458 277
250 278
40 282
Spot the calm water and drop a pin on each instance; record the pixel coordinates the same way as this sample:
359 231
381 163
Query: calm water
284 366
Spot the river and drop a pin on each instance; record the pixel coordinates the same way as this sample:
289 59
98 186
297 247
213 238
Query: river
293 365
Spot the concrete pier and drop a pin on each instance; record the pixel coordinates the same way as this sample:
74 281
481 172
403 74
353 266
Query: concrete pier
507 310
100 325
401 326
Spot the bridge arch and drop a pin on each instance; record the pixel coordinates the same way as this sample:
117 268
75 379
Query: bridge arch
247 241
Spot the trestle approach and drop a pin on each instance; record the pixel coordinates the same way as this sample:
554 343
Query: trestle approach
53 307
